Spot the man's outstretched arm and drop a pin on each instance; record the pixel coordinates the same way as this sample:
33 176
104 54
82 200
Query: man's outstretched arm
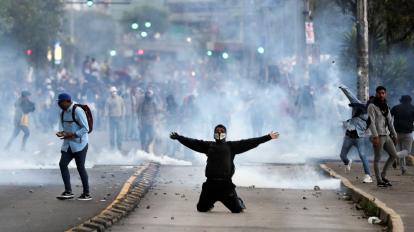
351 97
244 145
194 144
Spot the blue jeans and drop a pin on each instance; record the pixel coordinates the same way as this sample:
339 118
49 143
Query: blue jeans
147 134
80 165
16 132
115 132
359 144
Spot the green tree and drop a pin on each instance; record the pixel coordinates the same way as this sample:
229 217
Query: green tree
393 20
36 24
6 21
391 28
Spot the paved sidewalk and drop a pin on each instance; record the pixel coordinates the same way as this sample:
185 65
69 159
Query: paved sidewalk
399 197
171 206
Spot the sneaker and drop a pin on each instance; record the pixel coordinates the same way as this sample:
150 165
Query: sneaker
382 185
84 197
386 181
367 179
242 205
65 196
348 166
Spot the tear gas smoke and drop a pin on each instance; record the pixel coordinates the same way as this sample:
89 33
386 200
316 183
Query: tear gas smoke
308 113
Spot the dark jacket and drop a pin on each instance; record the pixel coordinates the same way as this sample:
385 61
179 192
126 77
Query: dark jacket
403 118
22 106
148 111
220 155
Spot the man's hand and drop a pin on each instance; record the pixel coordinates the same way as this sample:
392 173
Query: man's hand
68 135
395 140
274 135
376 141
174 135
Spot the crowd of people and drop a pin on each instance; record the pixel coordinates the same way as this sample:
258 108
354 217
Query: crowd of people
138 104
141 105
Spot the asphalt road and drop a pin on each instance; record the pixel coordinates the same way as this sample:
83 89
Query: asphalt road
170 206
28 197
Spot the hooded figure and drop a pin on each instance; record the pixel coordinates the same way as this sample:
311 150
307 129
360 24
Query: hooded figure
220 167
23 107
403 115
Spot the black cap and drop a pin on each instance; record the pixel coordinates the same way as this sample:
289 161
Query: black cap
220 126
405 99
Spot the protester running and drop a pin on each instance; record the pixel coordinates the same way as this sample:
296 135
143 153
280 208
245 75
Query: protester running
23 107
355 134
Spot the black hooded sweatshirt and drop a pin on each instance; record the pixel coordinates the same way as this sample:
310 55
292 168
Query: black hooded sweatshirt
220 155
403 118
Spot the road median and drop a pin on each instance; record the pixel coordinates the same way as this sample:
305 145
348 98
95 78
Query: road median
127 200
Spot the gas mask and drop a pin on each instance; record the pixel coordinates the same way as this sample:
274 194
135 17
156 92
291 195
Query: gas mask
220 136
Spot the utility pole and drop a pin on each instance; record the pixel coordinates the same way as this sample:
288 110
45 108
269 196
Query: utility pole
309 37
362 47
304 40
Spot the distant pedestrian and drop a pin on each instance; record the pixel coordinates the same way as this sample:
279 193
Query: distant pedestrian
356 128
148 116
22 108
384 135
74 128
172 122
115 110
94 69
403 122
86 67
137 97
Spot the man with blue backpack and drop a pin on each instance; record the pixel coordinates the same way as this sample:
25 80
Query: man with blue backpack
75 124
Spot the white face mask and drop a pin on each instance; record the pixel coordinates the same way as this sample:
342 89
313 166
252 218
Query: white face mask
219 136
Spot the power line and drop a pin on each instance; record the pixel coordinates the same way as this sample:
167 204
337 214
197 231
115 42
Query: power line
103 2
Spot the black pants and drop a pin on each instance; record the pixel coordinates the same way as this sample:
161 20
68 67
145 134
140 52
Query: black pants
80 165
223 191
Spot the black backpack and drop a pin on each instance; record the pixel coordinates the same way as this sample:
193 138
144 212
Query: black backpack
27 106
88 113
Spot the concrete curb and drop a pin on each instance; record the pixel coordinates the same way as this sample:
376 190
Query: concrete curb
370 203
127 200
